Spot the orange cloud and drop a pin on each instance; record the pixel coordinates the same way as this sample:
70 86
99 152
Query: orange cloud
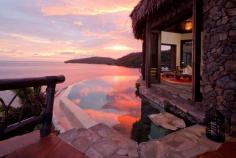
23 47
118 47
85 7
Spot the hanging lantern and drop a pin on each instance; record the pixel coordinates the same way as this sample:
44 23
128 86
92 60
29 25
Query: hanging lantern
215 129
188 26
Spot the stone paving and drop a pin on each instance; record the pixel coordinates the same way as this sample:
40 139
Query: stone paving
185 143
101 141
167 121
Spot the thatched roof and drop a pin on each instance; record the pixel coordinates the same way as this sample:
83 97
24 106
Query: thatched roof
140 12
149 8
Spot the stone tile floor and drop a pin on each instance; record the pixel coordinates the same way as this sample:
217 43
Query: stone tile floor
101 141
185 143
175 95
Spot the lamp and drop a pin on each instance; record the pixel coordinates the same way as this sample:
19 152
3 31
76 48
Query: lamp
188 25
215 129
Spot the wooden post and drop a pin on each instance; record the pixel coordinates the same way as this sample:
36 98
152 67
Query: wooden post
144 59
148 54
196 61
159 57
47 120
156 47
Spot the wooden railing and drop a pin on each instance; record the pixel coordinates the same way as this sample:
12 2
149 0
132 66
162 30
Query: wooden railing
44 116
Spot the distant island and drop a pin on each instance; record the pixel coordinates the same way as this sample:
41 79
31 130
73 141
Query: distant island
132 60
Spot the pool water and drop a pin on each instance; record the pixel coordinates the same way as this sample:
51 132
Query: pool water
110 100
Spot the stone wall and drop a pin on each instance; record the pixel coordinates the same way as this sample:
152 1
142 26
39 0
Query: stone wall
219 57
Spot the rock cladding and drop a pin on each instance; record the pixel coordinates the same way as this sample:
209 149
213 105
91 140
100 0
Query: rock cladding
219 57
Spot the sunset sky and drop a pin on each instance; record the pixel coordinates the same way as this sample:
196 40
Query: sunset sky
64 29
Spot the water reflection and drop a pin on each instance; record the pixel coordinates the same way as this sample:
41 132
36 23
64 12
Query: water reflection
141 130
144 129
110 100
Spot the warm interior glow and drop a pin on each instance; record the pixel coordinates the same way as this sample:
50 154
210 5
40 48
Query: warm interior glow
188 25
165 47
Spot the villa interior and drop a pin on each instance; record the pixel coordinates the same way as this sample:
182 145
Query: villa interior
173 66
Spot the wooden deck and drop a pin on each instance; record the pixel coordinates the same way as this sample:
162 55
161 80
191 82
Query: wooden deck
51 146
227 150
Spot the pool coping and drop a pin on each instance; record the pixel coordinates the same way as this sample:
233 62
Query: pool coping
74 115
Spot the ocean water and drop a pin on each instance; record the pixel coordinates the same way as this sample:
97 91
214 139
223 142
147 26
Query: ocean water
73 72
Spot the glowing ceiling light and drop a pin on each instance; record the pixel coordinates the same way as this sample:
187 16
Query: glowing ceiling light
188 25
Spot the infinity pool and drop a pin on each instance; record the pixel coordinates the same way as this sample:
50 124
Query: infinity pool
110 100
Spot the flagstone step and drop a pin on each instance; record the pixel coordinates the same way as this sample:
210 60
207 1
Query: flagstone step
167 121
101 141
185 143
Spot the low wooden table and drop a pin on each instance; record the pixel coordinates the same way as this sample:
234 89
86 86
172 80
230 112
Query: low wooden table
179 75
168 74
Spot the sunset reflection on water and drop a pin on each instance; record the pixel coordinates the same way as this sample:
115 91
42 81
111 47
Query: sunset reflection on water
110 100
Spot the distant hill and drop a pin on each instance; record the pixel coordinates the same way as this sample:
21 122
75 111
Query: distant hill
132 60
93 60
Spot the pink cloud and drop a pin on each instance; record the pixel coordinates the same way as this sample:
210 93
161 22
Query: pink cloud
81 28
85 7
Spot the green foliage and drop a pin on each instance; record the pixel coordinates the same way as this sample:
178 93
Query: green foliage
23 93
38 127
32 104
1 108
